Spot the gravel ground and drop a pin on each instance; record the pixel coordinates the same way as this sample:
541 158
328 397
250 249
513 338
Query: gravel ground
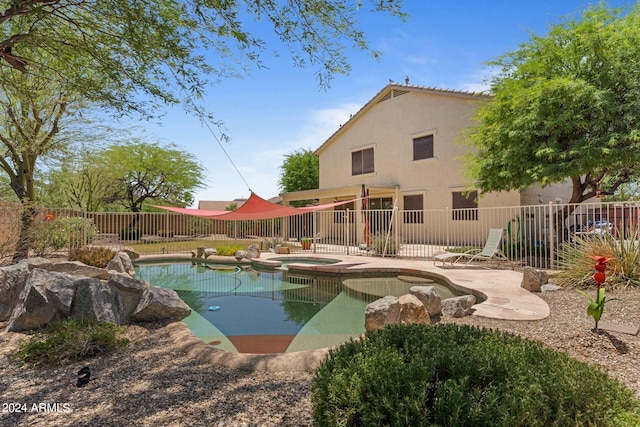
154 383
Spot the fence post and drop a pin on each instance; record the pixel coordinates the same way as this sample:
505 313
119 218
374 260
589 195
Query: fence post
347 238
551 236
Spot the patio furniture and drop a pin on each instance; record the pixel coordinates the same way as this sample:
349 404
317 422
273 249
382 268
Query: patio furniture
490 252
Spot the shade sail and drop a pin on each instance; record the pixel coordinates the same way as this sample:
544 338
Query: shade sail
254 208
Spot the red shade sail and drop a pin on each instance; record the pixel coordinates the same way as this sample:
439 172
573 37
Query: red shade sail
254 208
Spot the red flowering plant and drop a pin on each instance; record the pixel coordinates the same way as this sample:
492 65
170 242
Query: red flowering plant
596 306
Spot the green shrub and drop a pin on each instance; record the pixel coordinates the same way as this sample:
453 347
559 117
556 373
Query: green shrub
451 375
94 255
385 244
228 250
69 340
56 233
130 234
577 268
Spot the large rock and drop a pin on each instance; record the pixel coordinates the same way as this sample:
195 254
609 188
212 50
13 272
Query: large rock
121 263
33 309
458 306
98 300
532 279
429 297
131 291
36 262
160 303
412 310
12 281
76 268
382 312
253 251
241 255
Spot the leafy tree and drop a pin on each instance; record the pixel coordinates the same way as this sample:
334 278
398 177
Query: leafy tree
38 117
565 106
149 171
299 171
155 48
82 182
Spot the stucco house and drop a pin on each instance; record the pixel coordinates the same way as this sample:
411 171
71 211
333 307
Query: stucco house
403 147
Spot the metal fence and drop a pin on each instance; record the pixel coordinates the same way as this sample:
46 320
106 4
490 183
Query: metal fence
533 235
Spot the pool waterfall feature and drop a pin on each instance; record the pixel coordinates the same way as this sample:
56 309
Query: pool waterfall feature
278 305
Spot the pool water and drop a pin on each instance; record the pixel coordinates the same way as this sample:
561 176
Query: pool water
248 311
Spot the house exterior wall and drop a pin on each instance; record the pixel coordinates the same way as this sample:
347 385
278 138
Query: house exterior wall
389 123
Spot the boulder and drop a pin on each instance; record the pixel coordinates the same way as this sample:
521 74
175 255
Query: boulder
240 255
381 312
210 252
12 281
32 309
412 310
160 303
98 300
429 297
532 279
115 265
131 291
458 306
253 251
76 268
36 262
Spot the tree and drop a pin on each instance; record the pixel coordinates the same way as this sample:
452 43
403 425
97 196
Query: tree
166 49
38 117
299 171
82 182
149 171
565 106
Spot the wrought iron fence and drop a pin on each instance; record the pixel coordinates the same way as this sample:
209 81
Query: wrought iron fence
533 235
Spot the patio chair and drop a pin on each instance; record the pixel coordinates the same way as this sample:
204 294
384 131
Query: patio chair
490 252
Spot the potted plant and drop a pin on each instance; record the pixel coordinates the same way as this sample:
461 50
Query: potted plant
306 243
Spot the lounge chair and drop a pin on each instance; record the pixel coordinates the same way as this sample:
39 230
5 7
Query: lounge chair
490 252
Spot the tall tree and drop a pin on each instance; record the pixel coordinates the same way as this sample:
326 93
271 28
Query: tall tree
299 171
167 48
150 171
38 117
80 182
565 106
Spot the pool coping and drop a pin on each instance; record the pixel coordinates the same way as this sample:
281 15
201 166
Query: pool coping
502 298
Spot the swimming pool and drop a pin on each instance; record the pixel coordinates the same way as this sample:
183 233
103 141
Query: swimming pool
244 310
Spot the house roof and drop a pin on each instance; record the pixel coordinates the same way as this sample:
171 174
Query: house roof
393 90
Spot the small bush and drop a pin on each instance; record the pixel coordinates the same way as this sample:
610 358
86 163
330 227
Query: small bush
452 375
385 244
228 250
130 234
622 270
95 256
69 340
56 233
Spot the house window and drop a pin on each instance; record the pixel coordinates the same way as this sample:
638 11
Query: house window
413 209
423 147
465 206
340 213
362 162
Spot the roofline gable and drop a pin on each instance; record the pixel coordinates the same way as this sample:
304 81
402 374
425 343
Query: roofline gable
393 90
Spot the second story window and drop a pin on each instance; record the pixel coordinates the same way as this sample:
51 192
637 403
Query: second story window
362 162
423 147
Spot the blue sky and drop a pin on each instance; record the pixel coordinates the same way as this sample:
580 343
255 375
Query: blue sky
274 111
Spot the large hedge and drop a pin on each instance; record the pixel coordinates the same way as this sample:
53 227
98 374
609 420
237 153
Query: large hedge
451 375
